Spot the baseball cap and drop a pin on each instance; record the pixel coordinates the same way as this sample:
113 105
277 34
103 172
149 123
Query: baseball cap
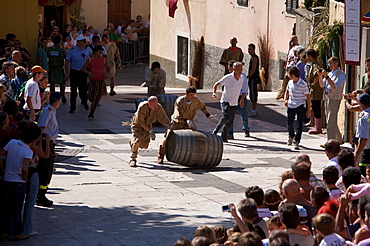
38 69
302 214
122 23
81 38
364 99
96 31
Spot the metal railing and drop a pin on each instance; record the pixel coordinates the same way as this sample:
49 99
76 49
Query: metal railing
131 51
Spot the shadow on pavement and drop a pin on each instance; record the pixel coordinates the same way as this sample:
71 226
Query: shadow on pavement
75 224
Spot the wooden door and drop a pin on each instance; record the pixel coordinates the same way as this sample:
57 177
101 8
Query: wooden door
119 10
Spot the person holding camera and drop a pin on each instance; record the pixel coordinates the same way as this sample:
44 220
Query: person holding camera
49 125
316 90
333 83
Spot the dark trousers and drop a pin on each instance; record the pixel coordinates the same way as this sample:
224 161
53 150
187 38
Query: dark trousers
292 112
78 81
13 203
227 119
45 168
316 108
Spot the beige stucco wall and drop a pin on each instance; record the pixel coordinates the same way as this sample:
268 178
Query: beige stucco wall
336 11
204 19
95 12
141 7
23 24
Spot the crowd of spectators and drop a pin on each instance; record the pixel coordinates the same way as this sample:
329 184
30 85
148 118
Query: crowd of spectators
28 131
306 211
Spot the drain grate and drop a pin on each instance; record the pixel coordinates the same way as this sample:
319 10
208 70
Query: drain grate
100 131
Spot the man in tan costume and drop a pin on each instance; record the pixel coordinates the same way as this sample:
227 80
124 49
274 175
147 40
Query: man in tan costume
182 118
141 125
232 53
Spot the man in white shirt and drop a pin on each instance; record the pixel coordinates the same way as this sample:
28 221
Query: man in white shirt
233 83
32 93
333 83
332 149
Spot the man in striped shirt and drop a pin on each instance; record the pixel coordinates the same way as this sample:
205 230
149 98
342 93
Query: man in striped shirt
296 95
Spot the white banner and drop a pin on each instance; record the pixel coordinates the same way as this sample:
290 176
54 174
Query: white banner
352 31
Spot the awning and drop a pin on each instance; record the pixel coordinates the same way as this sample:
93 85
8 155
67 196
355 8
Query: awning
68 2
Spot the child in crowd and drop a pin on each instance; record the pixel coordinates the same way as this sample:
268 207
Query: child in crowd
272 200
330 177
324 226
19 155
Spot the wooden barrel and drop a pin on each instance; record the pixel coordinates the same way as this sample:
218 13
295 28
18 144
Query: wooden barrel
194 148
167 102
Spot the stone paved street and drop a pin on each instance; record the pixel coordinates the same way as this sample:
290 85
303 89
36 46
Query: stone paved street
100 200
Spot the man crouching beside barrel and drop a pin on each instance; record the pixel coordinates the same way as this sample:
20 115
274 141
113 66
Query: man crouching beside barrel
147 113
183 116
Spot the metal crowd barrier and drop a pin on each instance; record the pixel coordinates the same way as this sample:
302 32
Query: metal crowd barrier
131 51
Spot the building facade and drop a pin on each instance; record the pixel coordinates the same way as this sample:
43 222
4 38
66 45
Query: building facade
174 40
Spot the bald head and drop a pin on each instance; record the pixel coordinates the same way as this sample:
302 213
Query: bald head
291 187
153 102
303 158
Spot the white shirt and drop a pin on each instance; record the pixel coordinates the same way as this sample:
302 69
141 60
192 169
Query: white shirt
32 90
17 151
232 88
333 240
297 93
133 35
334 162
48 120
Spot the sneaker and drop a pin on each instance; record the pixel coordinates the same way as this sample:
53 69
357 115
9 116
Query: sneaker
112 93
72 110
99 105
90 117
225 140
296 145
290 141
86 107
132 163
229 136
246 133
252 113
33 233
144 84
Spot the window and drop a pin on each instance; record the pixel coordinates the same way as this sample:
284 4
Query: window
183 48
291 6
243 3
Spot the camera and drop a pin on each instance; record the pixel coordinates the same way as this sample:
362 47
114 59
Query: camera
321 70
225 208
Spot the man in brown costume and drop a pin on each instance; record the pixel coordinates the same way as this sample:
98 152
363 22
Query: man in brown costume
183 116
141 125
232 53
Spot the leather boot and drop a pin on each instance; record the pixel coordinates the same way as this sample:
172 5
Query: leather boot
42 200
161 153
318 127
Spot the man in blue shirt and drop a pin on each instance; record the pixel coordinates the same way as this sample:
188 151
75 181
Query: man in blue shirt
75 60
333 83
362 151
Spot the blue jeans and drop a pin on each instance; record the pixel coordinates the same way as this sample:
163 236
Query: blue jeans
29 204
292 112
14 198
227 119
243 114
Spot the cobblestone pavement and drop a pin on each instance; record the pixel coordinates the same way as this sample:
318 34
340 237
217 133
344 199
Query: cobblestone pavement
100 200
